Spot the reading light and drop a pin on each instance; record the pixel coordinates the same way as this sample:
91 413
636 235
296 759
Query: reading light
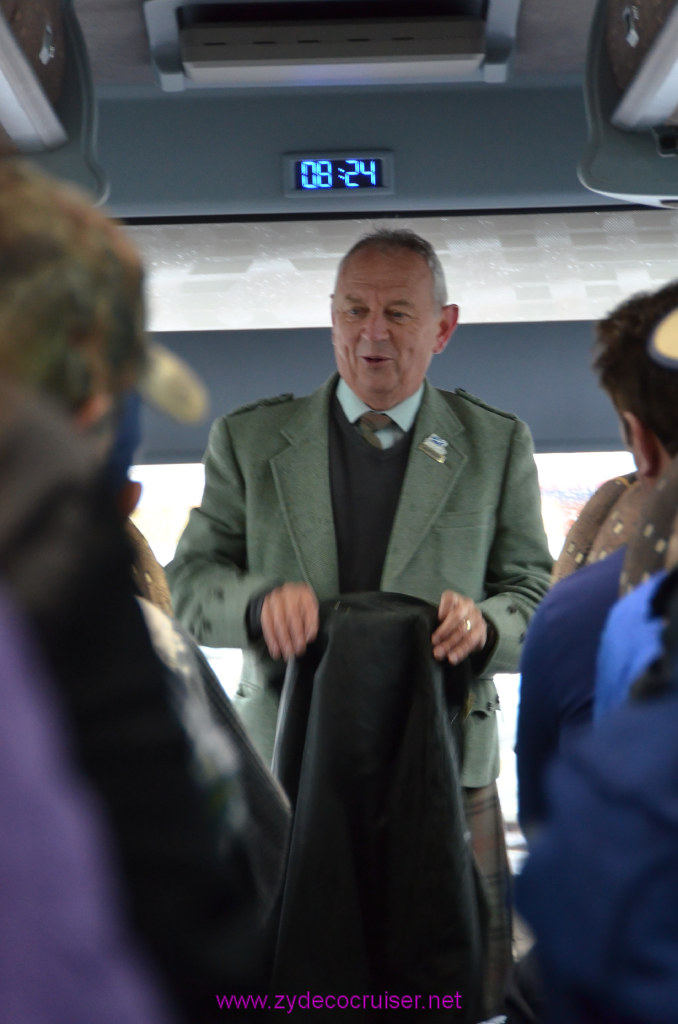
60 138
639 165
652 97
25 112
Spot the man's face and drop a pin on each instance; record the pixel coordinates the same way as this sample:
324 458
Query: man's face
386 325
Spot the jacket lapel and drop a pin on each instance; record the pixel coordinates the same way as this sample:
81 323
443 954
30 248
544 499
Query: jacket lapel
427 484
302 480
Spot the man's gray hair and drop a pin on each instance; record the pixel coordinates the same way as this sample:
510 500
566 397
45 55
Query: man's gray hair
389 240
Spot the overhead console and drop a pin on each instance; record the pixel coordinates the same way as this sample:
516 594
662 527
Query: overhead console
329 42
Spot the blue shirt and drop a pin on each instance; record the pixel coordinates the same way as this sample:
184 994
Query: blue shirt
558 669
600 888
631 641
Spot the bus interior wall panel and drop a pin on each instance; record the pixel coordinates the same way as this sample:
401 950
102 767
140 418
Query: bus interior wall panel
454 148
540 371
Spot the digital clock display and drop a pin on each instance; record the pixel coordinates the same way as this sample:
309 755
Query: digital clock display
338 174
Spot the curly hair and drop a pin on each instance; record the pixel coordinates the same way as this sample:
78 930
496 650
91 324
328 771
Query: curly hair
632 379
71 308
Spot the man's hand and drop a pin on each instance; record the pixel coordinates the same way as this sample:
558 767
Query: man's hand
462 628
289 619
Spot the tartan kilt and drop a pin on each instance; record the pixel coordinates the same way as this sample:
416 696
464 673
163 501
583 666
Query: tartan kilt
486 826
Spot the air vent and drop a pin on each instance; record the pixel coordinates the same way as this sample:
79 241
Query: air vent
333 51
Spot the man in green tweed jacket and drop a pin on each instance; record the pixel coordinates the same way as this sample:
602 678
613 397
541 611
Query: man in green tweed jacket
440 502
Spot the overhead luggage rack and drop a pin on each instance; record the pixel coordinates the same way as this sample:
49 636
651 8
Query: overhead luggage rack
329 42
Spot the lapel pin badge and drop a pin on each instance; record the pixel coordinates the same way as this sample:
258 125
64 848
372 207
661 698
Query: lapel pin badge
434 447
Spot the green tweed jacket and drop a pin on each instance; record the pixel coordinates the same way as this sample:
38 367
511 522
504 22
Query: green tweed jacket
471 523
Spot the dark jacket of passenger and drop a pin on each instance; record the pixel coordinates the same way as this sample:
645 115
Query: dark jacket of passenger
66 562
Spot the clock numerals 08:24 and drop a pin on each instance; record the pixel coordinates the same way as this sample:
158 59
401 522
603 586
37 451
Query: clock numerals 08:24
339 174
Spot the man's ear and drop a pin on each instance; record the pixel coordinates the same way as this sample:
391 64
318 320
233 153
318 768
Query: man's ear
128 497
449 315
646 447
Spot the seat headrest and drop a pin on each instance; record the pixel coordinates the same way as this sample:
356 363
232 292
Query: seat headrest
655 543
607 520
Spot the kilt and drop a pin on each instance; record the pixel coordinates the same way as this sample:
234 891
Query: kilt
486 825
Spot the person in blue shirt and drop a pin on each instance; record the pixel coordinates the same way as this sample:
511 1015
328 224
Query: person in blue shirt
557 675
600 888
558 664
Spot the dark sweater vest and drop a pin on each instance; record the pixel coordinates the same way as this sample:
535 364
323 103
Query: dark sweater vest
365 484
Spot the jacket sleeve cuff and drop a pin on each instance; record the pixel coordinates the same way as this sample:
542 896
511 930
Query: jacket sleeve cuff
253 615
479 659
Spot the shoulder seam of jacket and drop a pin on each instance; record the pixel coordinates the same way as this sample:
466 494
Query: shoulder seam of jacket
449 397
260 403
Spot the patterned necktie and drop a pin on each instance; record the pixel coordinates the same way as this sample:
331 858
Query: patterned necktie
369 422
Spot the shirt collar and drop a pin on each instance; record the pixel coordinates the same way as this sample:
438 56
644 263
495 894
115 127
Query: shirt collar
403 414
